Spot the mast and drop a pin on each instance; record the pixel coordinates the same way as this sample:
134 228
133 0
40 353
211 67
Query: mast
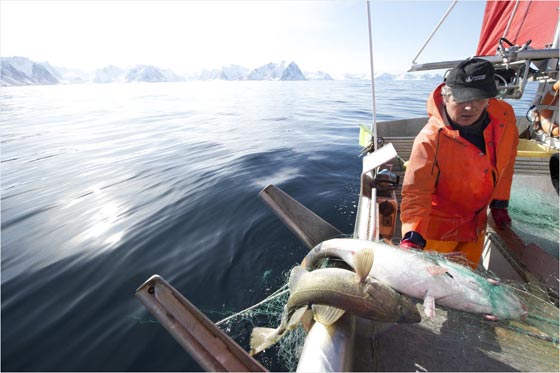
374 120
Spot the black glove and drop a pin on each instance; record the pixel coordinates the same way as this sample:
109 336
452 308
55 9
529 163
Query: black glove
499 211
413 240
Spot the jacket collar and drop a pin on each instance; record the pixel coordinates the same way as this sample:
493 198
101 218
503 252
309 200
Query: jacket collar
436 113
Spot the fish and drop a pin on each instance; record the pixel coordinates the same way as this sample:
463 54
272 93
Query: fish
425 276
325 295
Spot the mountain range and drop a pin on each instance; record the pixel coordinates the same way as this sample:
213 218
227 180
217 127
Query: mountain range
17 71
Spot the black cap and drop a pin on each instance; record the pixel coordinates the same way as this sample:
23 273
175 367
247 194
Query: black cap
472 79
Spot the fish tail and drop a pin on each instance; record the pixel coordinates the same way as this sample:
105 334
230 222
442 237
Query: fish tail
263 338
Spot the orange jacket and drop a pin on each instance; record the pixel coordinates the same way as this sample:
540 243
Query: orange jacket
449 182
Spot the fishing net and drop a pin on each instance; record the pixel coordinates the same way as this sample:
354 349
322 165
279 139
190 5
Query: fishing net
284 355
450 341
462 341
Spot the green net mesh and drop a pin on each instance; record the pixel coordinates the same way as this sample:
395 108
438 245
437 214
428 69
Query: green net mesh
284 355
452 340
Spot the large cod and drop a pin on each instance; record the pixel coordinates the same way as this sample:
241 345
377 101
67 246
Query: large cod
424 276
326 294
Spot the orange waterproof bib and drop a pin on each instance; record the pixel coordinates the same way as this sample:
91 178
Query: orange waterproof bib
449 182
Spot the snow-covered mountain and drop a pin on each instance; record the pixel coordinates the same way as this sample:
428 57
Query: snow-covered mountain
211 74
418 76
317 75
108 74
292 72
143 73
277 71
230 72
72 75
53 71
23 71
234 72
384 77
270 71
171 76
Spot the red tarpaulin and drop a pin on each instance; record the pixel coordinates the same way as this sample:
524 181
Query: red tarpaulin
532 20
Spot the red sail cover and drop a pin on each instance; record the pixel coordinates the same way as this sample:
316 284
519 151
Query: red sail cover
533 20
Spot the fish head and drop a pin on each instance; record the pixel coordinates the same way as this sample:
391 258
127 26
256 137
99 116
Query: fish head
407 311
500 299
506 304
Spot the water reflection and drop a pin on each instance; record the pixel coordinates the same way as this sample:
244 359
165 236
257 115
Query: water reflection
102 221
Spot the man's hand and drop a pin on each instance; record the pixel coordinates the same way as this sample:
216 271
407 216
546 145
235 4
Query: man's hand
501 218
413 241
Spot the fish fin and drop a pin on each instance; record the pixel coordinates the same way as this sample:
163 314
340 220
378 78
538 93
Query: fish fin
263 338
490 317
295 276
307 319
327 315
436 270
363 261
429 305
296 317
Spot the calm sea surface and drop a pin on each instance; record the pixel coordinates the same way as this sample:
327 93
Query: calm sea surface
106 185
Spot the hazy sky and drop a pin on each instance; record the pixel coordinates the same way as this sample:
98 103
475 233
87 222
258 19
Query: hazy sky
188 36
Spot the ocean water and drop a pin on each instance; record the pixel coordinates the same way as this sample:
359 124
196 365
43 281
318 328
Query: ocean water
105 185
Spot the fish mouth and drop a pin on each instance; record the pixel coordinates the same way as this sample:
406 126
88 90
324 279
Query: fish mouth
522 315
415 318
523 309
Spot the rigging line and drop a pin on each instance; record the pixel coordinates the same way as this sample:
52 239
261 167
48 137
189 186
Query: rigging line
374 121
556 36
434 31
510 19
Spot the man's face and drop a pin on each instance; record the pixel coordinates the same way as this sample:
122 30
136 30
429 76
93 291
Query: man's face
464 113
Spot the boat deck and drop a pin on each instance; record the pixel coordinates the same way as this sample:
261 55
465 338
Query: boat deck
461 341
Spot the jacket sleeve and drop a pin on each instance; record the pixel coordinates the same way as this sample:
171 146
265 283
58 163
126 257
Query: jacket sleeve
507 152
419 182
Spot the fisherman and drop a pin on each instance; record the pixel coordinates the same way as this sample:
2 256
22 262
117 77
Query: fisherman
461 164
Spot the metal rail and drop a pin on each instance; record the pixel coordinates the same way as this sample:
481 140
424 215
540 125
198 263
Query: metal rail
211 347
532 54
434 31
